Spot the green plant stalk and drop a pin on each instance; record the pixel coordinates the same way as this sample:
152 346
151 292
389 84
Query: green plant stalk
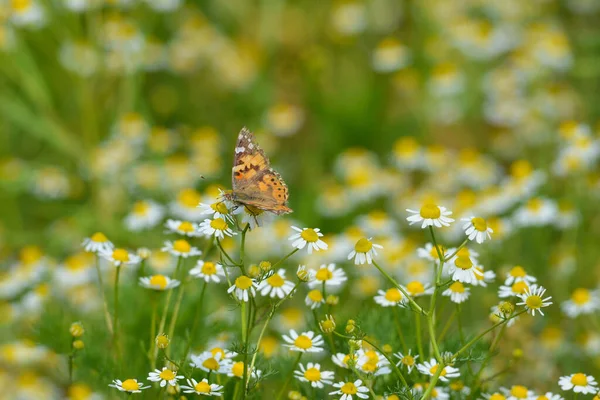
71 360
195 323
419 336
173 321
107 316
290 376
285 258
395 284
246 340
152 327
433 381
399 329
225 253
116 312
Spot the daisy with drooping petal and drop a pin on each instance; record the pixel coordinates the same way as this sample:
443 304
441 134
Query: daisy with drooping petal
457 292
430 368
202 388
407 360
349 389
253 216
391 297
533 299
463 270
165 377
276 285
309 238
578 383
517 274
364 251
184 228
208 271
582 301
128 385
430 215
243 288
120 257
217 227
306 342
181 248
97 243
312 373
477 229
158 282
329 275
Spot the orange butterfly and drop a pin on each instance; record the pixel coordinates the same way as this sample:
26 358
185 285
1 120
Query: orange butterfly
255 184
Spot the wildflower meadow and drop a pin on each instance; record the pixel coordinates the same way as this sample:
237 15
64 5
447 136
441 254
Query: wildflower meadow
378 199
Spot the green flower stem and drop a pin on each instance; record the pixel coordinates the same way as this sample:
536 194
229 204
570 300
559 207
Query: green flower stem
107 316
488 356
419 336
116 311
225 253
176 309
290 376
399 329
395 284
433 381
195 323
463 244
154 305
246 340
431 313
285 258
243 245
461 335
447 326
71 360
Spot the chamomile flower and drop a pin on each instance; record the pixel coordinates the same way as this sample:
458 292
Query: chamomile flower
516 289
477 229
144 215
549 396
483 277
208 270
306 342
128 385
499 313
237 370
533 299
329 275
391 297
165 377
312 373
181 248
215 210
217 227
517 392
430 215
158 282
578 383
517 274
463 270
349 389
364 251
582 301
120 257
342 360
185 206
494 396
305 274
243 288
309 238
457 292
253 216
430 253
276 285
430 368
372 362
407 360
211 361
184 228
97 243
537 212
202 388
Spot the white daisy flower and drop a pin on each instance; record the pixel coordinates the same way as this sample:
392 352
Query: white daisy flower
237 370
202 388
145 215
243 288
217 227
312 373
158 282
314 299
364 251
165 377
329 275
477 229
215 210
517 392
463 270
254 217
497 316
310 237
430 368
430 253
208 270
407 360
372 362
417 288
578 383
342 360
390 298
516 289
120 257
349 389
457 292
549 396
209 361
128 385
184 228
306 342
582 301
430 215
276 285
533 299
517 274
97 243
181 248
483 277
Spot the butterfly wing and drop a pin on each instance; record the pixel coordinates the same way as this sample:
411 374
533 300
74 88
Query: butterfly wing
254 182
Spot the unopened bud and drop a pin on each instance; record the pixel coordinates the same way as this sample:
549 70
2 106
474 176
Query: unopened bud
332 300
328 324
350 326
506 308
264 266
162 341
76 329
78 344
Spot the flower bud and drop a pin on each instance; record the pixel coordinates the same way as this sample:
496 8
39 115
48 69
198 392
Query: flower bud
328 324
264 266
162 341
506 308
350 326
78 344
332 300
76 329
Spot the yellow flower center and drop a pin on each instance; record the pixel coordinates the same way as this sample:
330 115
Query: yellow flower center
76 262
186 227
433 370
457 287
158 280
518 272
434 251
167 375
328 325
309 235
534 302
520 169
363 246
182 246
217 350
219 224
324 274
497 396
581 296
369 366
120 255
130 385
520 287
542 397
79 391
211 364
464 252
393 397
275 280
579 379
238 369
518 391
303 342
535 204
99 237
189 198
408 360
141 208
430 211
463 262
349 388
20 5
243 282
30 255
393 295
479 223
415 287
219 207
209 268
458 385
313 375
315 296
202 387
